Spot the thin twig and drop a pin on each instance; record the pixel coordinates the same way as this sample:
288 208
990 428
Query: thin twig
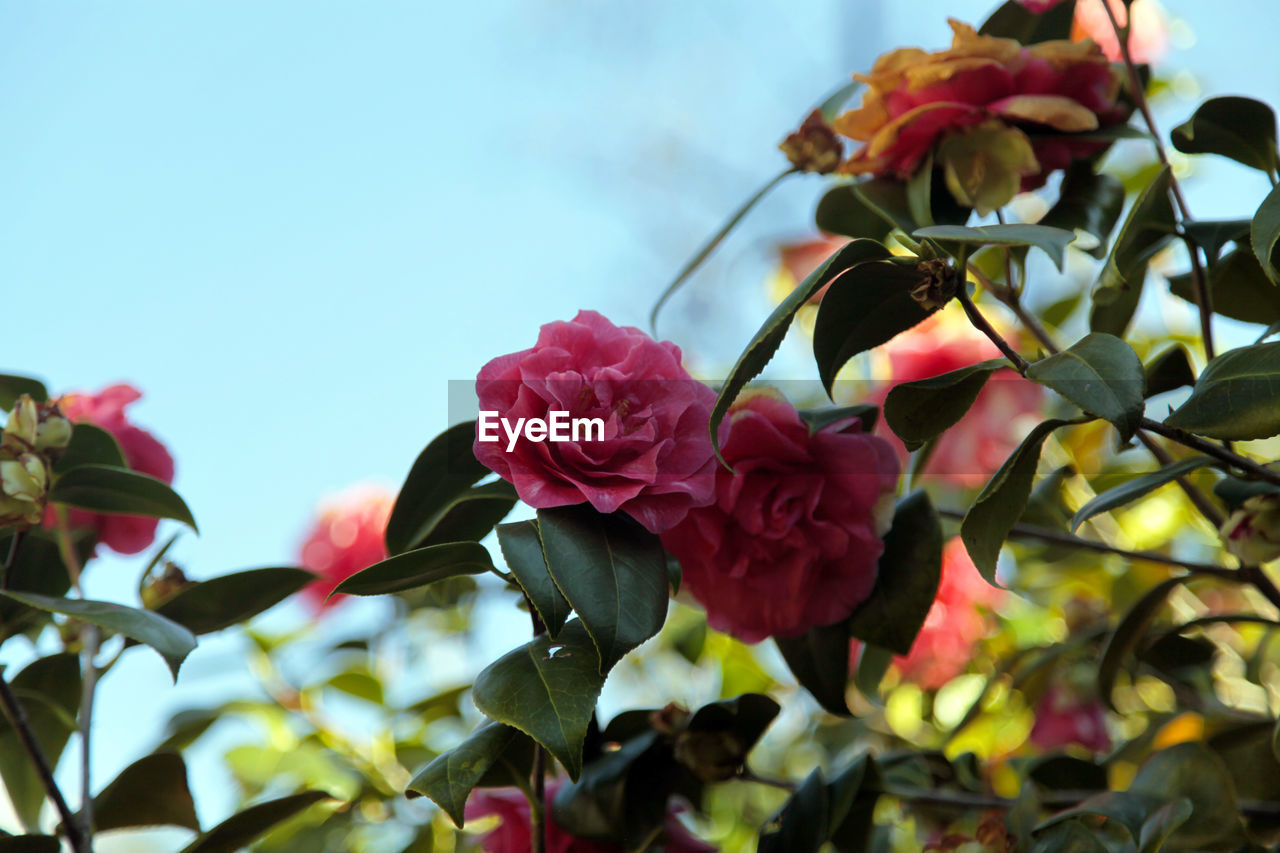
981 324
1208 448
1262 583
1198 498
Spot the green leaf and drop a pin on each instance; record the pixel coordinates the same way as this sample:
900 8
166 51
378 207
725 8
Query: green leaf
451 777
30 844
819 659
887 199
864 308
152 791
442 472
802 825
1239 128
49 691
417 568
843 211
1148 228
1235 396
1169 370
1213 235
1238 288
119 491
1088 201
360 684
918 411
239 830
1001 501
1053 241
1014 21
522 549
1193 771
873 663
620 800
612 572
766 341
743 717
170 639
1062 834
1102 375
471 515
1131 490
221 602
908 574
1162 824
852 797
90 445
12 387
1129 633
1234 491
38 568
1264 234
546 689
818 419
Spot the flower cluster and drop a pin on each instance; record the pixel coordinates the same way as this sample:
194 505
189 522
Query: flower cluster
32 435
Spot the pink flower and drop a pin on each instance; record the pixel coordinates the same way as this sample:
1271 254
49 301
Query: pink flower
1039 7
956 622
512 834
793 537
346 538
124 534
1148 36
653 457
1064 718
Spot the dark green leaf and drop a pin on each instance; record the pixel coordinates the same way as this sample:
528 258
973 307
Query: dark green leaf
30 844
450 778
1131 490
1069 836
1169 370
1193 771
1001 501
907 580
1234 491
612 572
1088 201
887 199
1264 234
1014 21
803 823
818 419
1239 128
472 514
852 796
1053 241
522 549
864 308
546 689
238 831
150 792
1102 375
38 568
1113 317
1238 288
49 691
90 445
12 387
221 602
843 211
1162 824
1213 235
444 470
918 411
766 341
621 797
873 663
819 659
1235 396
417 568
1148 228
170 639
744 717
119 491
1129 634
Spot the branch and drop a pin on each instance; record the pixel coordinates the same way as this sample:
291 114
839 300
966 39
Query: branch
982 325
1208 448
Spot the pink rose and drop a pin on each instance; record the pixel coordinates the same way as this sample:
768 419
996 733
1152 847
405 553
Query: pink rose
346 538
1063 718
512 834
793 537
653 457
124 534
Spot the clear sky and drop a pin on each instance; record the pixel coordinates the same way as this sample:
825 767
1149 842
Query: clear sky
290 223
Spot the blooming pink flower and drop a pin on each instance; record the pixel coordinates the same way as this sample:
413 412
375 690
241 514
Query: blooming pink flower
512 834
124 534
957 620
346 538
654 462
1148 36
793 537
1063 718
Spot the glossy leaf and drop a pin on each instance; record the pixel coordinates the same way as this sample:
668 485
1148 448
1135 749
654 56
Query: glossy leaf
1102 375
1234 491
106 489
1129 633
522 549
1088 201
1014 21
12 387
1163 822
843 211
221 602
1264 234
612 572
170 639
908 574
1169 370
90 445
1001 501
620 800
864 308
744 717
49 691
1147 229
819 659
1131 490
873 663
418 568
450 778
1214 234
546 689
444 470
238 831
766 341
1052 241
1068 837
1235 396
802 825
471 515
1238 288
918 411
851 798
38 568
1239 128
152 791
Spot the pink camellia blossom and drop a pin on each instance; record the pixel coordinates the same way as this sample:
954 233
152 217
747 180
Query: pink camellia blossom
653 460
1148 35
793 538
512 834
346 538
958 619
1064 718
124 534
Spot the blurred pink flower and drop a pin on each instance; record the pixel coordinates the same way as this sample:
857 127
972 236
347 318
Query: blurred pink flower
1148 37
1063 718
346 538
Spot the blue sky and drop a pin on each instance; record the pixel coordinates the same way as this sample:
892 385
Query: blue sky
291 223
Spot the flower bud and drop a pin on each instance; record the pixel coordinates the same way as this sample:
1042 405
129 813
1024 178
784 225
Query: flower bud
1252 533
161 589
24 487
54 429
20 429
814 147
